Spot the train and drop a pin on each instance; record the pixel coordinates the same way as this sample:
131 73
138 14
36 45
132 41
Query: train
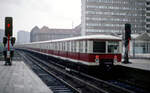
84 51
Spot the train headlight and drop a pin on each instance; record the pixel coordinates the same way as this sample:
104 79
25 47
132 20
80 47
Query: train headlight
97 58
115 59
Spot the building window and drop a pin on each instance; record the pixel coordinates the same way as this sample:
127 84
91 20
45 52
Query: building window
148 14
148 25
148 20
148 8
148 3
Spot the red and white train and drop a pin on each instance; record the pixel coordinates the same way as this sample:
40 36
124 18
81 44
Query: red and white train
93 50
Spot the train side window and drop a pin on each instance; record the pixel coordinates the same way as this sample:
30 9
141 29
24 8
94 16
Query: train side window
55 46
47 45
50 46
60 44
113 47
77 46
99 47
89 46
72 43
41 46
69 46
86 46
44 46
81 46
72 47
66 46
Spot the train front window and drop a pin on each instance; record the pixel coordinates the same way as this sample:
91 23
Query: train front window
113 47
99 47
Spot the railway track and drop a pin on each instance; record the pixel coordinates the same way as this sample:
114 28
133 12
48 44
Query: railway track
81 81
56 84
109 77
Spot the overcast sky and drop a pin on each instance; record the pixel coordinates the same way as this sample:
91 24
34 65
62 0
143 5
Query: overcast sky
52 13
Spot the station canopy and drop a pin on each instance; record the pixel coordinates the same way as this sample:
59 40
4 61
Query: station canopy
143 37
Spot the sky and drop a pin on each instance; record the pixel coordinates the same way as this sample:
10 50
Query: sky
29 13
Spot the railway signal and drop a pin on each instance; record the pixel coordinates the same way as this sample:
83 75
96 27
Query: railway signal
127 42
8 40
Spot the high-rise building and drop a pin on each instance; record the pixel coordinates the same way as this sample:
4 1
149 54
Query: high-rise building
110 16
23 37
148 15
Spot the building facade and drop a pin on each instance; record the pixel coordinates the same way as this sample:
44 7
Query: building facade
23 37
148 15
46 33
1 39
1 35
110 16
141 44
34 34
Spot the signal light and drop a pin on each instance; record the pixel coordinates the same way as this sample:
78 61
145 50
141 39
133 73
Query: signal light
8 26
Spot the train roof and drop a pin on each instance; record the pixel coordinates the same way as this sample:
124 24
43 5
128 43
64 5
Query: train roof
101 37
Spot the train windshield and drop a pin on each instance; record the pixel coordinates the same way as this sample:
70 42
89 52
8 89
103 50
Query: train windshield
113 47
99 47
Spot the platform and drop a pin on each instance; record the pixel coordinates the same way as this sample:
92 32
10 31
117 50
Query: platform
18 78
143 64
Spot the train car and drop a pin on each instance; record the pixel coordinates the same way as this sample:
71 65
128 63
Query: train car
84 51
